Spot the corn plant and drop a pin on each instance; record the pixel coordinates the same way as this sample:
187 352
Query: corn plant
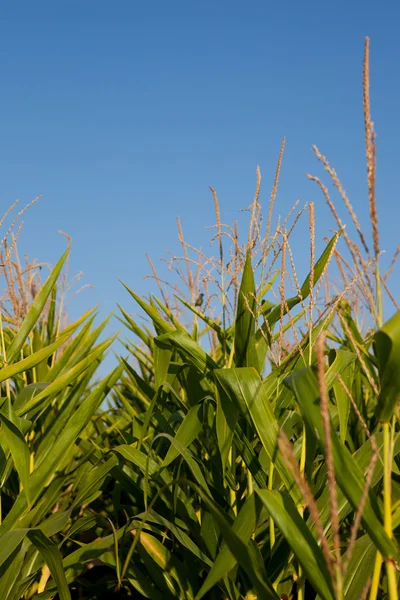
245 446
262 486
269 451
47 400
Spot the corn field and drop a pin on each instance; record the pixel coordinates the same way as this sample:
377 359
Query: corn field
246 445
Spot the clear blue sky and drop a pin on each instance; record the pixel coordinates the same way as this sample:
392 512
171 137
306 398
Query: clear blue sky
122 113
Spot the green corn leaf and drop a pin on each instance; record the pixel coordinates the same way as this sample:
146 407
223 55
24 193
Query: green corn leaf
66 379
342 399
143 585
308 553
348 474
51 330
52 557
138 458
86 344
152 312
74 326
65 359
134 327
344 308
27 393
187 432
243 527
209 534
387 350
245 323
61 447
55 523
226 420
162 359
162 579
35 311
116 552
149 415
250 458
169 314
71 401
18 447
141 387
210 322
245 389
10 541
319 267
74 563
37 344
243 553
31 361
363 458
11 587
84 524
169 565
266 305
340 361
94 480
181 536
190 351
359 568
187 456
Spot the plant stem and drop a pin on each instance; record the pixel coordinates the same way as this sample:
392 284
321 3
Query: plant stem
379 303
271 521
250 484
303 450
232 465
223 313
339 581
387 480
392 582
387 507
376 577
3 347
300 583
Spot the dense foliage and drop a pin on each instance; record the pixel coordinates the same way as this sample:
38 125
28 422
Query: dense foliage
246 445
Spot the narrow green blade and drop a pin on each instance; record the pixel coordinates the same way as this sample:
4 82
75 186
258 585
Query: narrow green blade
35 311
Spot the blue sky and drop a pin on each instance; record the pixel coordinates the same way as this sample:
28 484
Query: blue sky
121 114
